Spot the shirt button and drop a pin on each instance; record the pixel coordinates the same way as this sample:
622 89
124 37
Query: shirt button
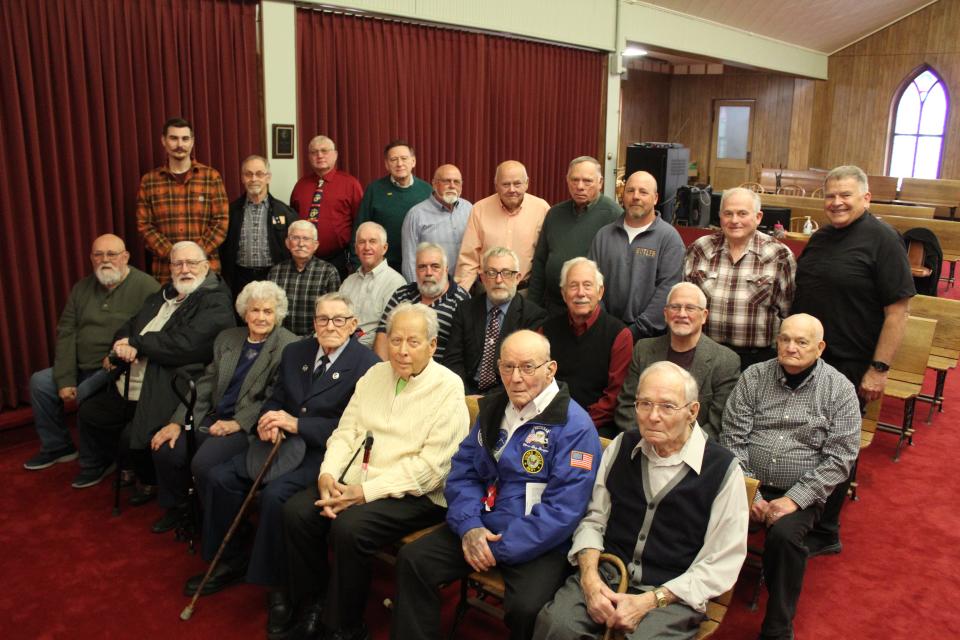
787 417
304 410
642 537
774 460
652 506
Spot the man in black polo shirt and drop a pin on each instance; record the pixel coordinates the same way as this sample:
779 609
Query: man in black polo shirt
855 277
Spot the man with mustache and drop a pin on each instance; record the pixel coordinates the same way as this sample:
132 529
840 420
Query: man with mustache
714 366
181 200
441 218
432 288
98 305
172 335
481 323
592 348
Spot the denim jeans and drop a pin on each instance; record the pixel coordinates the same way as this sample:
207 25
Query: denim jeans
48 407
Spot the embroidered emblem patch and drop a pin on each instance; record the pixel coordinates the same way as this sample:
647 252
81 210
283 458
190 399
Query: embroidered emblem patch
581 460
532 461
538 436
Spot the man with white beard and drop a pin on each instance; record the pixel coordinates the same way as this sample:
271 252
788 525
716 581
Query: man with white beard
98 305
171 335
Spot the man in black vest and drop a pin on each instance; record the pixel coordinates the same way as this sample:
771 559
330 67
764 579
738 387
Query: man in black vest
670 503
481 323
592 348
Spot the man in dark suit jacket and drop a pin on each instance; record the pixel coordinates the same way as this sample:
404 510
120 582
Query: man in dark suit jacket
254 215
313 388
715 367
480 324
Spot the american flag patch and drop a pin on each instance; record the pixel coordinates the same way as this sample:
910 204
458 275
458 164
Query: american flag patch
581 460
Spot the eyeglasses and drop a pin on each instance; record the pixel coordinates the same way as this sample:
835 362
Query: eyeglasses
689 308
666 408
180 264
527 368
301 239
259 175
109 255
338 321
506 274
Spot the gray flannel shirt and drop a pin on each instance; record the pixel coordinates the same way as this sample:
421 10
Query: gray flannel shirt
802 440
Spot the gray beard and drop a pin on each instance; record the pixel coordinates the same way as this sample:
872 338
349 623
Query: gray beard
109 277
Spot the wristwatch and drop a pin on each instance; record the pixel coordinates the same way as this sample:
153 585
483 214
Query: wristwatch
882 367
661 597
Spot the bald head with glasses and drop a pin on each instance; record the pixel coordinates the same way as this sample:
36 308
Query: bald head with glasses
525 366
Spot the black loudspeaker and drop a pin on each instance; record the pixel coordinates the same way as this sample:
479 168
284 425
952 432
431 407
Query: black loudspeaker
667 162
693 205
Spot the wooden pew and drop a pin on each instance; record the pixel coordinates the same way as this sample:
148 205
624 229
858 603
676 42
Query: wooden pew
945 351
883 187
945 194
947 232
809 179
803 202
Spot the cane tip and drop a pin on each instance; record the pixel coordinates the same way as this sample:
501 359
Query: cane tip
186 613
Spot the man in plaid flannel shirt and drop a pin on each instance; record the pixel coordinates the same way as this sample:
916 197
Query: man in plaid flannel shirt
181 200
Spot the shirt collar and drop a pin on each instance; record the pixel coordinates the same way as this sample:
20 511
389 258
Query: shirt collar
691 454
579 330
503 307
332 357
506 211
535 407
782 377
413 179
377 270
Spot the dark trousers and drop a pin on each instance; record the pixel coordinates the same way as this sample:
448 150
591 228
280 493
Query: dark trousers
438 558
242 276
105 434
173 477
339 261
784 563
751 356
355 535
223 492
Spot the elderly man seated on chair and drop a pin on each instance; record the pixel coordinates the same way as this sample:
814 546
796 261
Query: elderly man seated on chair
794 424
517 488
671 504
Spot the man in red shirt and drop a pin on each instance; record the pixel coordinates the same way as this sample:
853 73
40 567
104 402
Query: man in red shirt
329 199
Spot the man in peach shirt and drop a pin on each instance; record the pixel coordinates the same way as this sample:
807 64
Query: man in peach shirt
509 218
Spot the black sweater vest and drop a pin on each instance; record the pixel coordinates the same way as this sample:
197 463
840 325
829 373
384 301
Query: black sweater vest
679 519
583 362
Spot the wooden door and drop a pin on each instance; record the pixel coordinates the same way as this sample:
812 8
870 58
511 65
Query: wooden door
732 137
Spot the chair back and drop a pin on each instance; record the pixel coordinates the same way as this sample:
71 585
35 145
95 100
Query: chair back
756 187
946 338
910 362
792 190
915 256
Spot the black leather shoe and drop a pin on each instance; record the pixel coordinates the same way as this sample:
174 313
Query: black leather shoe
310 626
144 494
822 545
172 519
223 576
355 633
279 615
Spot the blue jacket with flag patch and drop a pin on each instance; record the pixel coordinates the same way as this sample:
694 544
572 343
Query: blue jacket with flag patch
558 449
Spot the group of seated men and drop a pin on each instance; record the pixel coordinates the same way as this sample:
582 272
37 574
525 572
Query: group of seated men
655 364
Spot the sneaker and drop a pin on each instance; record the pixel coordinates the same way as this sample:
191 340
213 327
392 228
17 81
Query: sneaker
46 459
91 476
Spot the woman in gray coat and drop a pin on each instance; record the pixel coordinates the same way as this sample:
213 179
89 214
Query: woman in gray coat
229 395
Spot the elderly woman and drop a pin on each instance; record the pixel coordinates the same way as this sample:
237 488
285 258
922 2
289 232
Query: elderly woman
229 395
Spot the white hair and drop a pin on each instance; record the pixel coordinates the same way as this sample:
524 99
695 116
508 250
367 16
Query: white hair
690 389
701 296
428 314
304 225
572 262
264 290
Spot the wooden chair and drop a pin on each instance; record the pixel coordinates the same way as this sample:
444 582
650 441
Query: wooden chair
817 193
905 378
792 190
868 428
945 351
796 225
915 256
756 187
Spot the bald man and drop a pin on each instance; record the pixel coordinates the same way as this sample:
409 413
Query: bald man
440 219
510 218
794 424
641 257
98 305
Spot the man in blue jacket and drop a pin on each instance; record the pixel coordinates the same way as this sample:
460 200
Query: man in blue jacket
517 488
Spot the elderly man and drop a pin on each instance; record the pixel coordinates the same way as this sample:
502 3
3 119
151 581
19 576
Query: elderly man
481 323
440 219
747 277
304 277
518 486
181 200
413 407
509 218
568 230
172 335
258 228
855 277
388 199
97 307
641 256
714 367
670 503
317 378
592 348
794 424
328 198
433 289
371 286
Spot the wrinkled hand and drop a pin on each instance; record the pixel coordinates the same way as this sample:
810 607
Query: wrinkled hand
124 351
335 497
272 422
169 433
224 427
758 511
598 597
67 394
476 548
107 365
630 609
872 384
778 508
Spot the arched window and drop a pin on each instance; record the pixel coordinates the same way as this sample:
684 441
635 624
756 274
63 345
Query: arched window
919 117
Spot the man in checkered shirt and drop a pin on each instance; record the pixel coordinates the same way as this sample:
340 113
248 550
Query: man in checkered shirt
794 424
747 276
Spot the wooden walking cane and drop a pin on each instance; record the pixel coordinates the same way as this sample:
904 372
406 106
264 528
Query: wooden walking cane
188 610
611 634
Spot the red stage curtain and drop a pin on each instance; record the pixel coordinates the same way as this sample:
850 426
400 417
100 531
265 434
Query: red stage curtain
470 99
86 88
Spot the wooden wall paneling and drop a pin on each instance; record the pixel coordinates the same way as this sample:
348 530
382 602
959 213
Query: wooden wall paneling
801 116
644 109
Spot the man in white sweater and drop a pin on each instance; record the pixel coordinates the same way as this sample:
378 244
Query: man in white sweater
415 410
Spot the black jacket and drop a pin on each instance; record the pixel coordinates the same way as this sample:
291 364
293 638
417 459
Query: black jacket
279 218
